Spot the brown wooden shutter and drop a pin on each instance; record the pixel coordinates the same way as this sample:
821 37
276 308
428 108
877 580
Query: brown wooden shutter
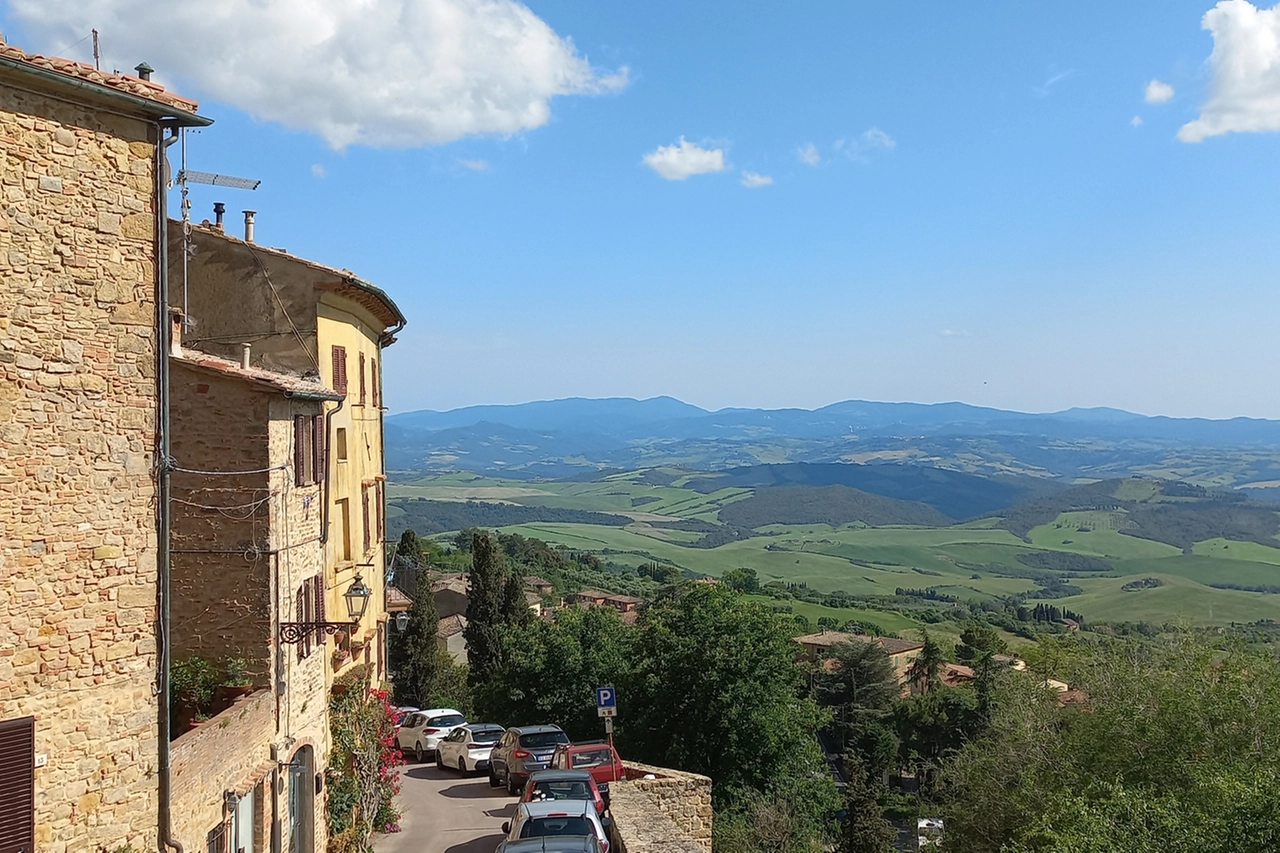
299 615
362 397
340 369
300 450
317 584
18 785
380 509
373 377
368 531
318 447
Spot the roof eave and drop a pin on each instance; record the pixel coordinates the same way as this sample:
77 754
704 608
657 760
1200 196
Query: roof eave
144 106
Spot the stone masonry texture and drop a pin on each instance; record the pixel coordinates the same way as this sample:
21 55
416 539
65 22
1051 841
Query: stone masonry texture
671 812
77 441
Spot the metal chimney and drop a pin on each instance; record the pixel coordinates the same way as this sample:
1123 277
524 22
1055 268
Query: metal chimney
248 225
245 350
144 70
218 209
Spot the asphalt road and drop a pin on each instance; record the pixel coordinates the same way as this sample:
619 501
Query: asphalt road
445 812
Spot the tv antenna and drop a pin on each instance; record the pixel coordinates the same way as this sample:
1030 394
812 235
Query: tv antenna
187 176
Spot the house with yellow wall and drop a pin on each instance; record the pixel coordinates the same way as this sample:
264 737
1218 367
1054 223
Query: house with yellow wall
267 308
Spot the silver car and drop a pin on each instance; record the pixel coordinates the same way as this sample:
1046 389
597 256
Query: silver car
555 819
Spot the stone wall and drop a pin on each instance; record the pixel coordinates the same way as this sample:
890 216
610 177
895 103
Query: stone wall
220 579
77 441
229 752
672 811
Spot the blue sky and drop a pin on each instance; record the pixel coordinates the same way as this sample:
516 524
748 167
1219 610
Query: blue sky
990 211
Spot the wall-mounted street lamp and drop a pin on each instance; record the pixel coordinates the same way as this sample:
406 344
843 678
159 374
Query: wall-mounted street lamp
402 620
357 599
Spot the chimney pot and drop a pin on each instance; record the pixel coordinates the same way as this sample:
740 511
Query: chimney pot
248 225
245 350
144 70
218 210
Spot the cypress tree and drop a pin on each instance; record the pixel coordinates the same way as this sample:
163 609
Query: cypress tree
864 829
515 609
484 609
923 671
412 653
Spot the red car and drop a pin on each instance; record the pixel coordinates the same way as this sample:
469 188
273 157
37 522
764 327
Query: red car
546 785
596 757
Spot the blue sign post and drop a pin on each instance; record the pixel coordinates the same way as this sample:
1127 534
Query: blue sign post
606 702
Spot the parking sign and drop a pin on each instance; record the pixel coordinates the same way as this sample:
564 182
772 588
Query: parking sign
606 702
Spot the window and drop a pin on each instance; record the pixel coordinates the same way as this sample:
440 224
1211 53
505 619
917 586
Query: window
339 369
344 520
317 446
373 377
18 784
340 442
362 395
317 596
368 531
302 451
380 507
216 840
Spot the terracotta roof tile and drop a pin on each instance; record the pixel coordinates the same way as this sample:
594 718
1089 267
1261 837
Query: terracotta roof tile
892 645
451 625
126 83
285 383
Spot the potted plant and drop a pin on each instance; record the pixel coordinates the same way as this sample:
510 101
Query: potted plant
191 686
235 680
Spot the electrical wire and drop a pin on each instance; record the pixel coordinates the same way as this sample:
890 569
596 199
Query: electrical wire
315 359
227 473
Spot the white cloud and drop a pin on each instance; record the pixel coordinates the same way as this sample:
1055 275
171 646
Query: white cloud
1244 92
1046 87
808 154
754 180
383 73
877 138
1136 121
1157 92
318 170
955 333
475 165
679 161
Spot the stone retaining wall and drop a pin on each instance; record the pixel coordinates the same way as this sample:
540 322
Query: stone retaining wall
670 812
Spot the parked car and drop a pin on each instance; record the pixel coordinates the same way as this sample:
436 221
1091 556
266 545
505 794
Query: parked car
549 785
467 747
596 757
555 819
402 714
520 751
553 844
423 730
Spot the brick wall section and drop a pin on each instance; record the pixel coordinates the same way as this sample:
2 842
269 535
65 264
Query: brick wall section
229 752
77 499
669 812
220 578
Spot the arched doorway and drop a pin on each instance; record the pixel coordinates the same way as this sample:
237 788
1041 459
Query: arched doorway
302 805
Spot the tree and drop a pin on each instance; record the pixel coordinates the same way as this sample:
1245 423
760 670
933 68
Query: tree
742 579
828 623
864 829
410 546
923 674
859 682
412 653
979 641
550 670
484 609
515 608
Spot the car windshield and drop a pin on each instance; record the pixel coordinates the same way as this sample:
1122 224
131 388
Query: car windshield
537 827
485 735
591 758
537 739
447 720
559 789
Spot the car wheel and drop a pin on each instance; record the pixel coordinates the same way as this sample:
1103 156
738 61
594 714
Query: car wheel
419 753
462 766
494 781
439 763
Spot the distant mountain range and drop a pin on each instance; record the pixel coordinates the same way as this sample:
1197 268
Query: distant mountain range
577 437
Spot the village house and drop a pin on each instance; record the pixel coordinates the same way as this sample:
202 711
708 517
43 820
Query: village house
250 303
450 595
815 647
247 592
449 637
84 765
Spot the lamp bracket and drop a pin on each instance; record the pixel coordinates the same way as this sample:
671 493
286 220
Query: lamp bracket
296 632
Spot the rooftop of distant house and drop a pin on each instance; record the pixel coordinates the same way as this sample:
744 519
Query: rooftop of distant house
451 625
452 583
370 296
537 582
827 639
147 96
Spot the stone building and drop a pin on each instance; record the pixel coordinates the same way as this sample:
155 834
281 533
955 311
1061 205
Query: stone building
82 767
247 573
302 318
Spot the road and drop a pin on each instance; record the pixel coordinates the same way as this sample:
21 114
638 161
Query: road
445 812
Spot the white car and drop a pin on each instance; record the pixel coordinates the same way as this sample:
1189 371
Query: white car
468 747
422 731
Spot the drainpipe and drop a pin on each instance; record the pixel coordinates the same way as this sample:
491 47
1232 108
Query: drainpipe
328 469
166 841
